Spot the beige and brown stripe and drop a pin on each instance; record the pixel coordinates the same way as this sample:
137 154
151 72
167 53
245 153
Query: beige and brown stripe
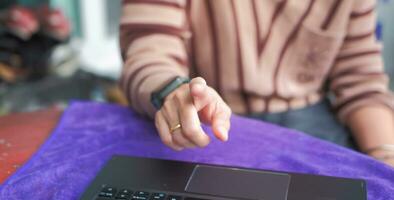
261 56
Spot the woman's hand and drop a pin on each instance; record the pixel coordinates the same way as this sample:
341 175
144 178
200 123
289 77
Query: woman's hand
178 121
389 162
386 157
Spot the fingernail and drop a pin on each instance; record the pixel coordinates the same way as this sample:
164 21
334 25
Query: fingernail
223 132
179 149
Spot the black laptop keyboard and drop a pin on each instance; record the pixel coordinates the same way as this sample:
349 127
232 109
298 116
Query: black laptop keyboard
109 193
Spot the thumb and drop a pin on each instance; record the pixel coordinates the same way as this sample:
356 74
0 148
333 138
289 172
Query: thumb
200 93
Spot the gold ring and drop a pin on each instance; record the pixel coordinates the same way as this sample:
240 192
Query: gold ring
175 128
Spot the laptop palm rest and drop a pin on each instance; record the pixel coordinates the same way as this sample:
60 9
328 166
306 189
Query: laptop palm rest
238 183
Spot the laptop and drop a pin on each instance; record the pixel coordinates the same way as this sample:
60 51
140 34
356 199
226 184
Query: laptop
126 178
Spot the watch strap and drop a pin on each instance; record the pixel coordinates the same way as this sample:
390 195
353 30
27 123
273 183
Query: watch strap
157 97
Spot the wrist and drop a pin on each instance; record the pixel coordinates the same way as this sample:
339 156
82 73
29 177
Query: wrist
158 96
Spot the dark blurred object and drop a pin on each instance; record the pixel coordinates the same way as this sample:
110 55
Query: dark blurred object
11 58
35 54
27 39
51 90
10 74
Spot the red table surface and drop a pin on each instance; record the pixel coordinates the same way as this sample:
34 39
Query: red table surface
21 134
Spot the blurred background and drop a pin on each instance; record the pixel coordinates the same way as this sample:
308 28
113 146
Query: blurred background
75 52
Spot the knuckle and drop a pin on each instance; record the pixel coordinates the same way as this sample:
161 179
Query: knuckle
190 131
167 105
178 98
176 91
184 87
168 113
179 141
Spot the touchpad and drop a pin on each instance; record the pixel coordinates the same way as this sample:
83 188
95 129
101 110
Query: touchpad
238 183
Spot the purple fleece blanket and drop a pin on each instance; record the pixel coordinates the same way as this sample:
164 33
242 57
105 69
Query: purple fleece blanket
90 133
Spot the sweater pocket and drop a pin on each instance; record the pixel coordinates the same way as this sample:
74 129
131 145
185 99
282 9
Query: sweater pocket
307 61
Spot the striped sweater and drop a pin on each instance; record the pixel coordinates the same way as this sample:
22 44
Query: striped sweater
260 55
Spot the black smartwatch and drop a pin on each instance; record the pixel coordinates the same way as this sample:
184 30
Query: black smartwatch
157 97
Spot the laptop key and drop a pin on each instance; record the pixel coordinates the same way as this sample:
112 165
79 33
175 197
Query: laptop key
106 194
158 196
124 194
139 198
125 191
140 195
101 198
173 197
109 190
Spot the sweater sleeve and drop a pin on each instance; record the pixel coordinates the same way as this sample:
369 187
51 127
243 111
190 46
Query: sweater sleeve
358 77
153 38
